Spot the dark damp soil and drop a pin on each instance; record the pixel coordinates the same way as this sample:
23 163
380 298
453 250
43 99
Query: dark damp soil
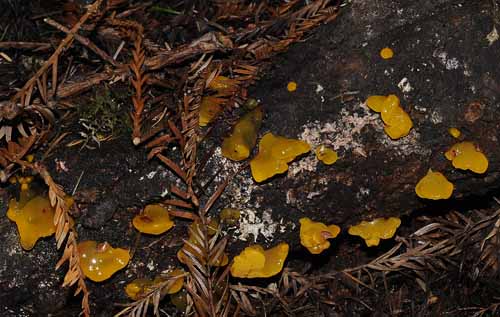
447 75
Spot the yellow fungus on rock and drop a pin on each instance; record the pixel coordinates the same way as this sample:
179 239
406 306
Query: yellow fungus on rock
210 107
314 235
242 140
213 227
254 261
275 152
99 261
34 219
373 231
291 86
434 186
154 220
454 132
466 156
386 53
140 287
397 123
326 155
230 215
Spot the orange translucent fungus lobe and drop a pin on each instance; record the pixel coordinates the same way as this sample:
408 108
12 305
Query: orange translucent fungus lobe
434 186
154 220
397 123
140 287
466 156
242 140
255 262
314 235
99 261
34 218
373 231
196 229
291 86
386 53
210 107
454 132
275 152
326 155
223 84
230 215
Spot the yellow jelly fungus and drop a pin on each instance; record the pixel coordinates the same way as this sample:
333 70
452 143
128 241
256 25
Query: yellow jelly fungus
34 219
154 220
223 84
30 158
375 230
466 156
454 132
99 261
386 53
254 261
242 140
434 186
314 235
209 109
213 227
326 155
397 123
230 215
140 287
275 152
292 86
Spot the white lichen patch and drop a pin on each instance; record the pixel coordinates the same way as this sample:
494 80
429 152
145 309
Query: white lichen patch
408 145
446 61
405 86
343 134
251 224
308 163
492 37
436 117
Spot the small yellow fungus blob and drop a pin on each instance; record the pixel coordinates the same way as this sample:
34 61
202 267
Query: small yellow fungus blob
292 86
213 227
230 215
326 155
140 287
454 132
434 186
466 156
154 220
375 230
397 123
314 235
242 140
210 107
275 152
223 84
254 261
34 219
99 261
386 53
